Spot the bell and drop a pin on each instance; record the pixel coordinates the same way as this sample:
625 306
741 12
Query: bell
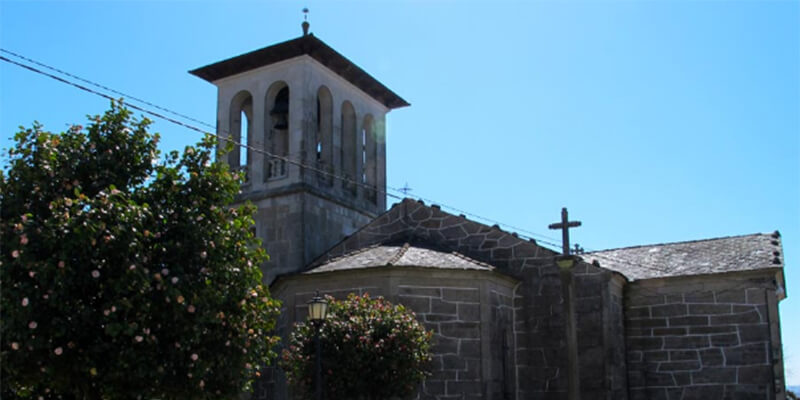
279 114
280 111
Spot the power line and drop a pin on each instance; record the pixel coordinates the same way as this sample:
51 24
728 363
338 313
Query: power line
542 239
97 85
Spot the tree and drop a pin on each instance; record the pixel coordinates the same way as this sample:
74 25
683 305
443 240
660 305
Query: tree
371 349
124 276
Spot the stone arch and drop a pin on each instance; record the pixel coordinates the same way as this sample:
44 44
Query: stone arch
240 131
369 157
323 143
276 130
349 146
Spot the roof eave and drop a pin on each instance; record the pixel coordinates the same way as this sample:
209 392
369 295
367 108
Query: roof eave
316 49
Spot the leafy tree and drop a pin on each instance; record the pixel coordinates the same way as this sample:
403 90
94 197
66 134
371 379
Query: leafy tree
124 276
371 349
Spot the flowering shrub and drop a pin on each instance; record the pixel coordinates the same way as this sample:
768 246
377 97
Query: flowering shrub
371 349
124 276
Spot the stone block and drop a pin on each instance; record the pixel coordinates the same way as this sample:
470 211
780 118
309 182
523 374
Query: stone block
726 339
711 357
758 375
637 312
756 296
669 310
419 291
648 394
700 297
753 333
749 317
420 305
703 392
461 295
440 317
689 321
731 296
714 375
655 356
645 343
658 379
669 331
684 355
709 309
748 392
443 307
444 345
464 330
678 366
685 342
469 348
464 387
748 354
453 362
705 330
682 378
469 312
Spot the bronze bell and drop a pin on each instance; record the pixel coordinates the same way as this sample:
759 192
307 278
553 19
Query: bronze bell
280 113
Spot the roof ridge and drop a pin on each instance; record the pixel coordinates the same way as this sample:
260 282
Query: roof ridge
772 235
400 253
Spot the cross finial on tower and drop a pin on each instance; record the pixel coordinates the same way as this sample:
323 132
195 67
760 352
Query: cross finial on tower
564 225
305 23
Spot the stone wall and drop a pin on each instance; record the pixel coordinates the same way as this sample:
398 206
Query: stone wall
701 338
470 313
538 329
454 315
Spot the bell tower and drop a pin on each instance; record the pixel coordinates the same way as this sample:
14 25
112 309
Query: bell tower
315 125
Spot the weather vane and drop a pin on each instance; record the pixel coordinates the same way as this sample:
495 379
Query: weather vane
405 189
305 24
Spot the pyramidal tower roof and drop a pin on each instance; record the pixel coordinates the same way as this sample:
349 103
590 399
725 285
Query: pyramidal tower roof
303 45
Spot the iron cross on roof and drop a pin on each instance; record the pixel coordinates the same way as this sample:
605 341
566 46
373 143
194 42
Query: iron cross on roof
564 225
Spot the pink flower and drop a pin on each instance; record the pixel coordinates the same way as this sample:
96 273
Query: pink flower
23 240
61 264
165 272
138 338
202 384
58 351
25 302
180 299
32 325
203 255
15 345
95 274
132 267
190 308
194 357
31 273
174 280
106 312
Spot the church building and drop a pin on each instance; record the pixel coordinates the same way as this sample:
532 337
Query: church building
512 319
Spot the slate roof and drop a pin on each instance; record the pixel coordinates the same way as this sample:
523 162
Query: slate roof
710 256
304 45
402 256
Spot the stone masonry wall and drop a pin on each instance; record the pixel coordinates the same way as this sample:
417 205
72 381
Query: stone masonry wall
454 315
700 338
470 313
539 348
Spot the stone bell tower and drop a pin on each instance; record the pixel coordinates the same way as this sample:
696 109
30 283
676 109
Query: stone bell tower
316 126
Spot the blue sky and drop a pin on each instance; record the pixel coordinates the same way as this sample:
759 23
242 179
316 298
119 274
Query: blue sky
652 121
